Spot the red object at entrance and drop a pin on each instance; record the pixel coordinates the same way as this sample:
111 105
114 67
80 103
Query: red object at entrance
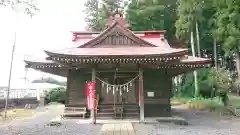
90 93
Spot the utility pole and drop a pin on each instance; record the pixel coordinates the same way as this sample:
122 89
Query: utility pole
25 76
10 76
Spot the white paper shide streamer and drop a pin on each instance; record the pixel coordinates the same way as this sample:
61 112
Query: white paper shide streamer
118 88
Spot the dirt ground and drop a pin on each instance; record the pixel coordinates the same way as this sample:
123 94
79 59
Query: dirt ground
200 123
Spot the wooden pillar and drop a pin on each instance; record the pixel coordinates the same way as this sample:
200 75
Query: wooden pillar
141 95
93 116
67 87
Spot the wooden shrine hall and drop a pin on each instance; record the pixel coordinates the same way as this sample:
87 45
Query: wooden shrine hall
131 69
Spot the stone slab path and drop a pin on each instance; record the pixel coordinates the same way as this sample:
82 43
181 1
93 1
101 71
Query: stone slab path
117 129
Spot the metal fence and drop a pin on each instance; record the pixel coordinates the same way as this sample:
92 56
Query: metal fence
19 102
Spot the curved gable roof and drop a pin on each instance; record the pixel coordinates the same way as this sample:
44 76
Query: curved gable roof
116 28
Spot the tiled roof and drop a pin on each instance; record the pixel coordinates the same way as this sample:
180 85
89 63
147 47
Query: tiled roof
82 40
153 40
129 51
156 41
152 37
90 44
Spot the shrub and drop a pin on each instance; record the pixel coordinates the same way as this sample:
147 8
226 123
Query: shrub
188 84
211 83
56 95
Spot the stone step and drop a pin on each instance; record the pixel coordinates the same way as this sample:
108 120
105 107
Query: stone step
112 109
119 104
117 117
112 115
124 112
112 106
106 111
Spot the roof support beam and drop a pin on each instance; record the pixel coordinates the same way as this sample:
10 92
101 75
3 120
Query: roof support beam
93 114
99 60
141 95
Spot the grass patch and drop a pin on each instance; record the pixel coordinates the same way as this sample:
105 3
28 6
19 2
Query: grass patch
213 105
17 114
198 103
179 100
205 104
234 100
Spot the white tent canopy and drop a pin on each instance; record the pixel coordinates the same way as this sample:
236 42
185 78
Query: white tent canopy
42 86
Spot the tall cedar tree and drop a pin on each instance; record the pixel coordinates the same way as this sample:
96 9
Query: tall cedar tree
189 15
152 15
227 21
98 12
92 18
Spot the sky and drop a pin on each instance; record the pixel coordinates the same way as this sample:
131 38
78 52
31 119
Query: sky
49 29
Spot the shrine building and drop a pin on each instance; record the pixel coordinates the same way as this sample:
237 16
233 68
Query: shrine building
131 69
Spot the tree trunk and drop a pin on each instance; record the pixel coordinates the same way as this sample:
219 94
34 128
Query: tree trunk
194 72
176 86
192 45
196 83
198 41
179 84
238 63
215 53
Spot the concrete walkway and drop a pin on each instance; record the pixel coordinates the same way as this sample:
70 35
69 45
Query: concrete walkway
117 129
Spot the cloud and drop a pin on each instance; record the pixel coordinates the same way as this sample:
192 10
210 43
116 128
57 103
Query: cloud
49 29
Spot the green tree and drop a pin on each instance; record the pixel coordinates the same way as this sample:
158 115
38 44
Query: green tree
188 84
227 27
220 80
209 79
145 15
189 14
93 19
98 12
112 6
56 95
152 15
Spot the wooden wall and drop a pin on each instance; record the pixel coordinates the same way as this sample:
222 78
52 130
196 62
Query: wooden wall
76 94
156 81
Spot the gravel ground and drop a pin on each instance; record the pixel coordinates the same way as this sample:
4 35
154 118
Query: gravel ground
200 123
38 126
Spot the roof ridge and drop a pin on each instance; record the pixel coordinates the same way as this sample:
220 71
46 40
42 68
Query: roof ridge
111 27
100 34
